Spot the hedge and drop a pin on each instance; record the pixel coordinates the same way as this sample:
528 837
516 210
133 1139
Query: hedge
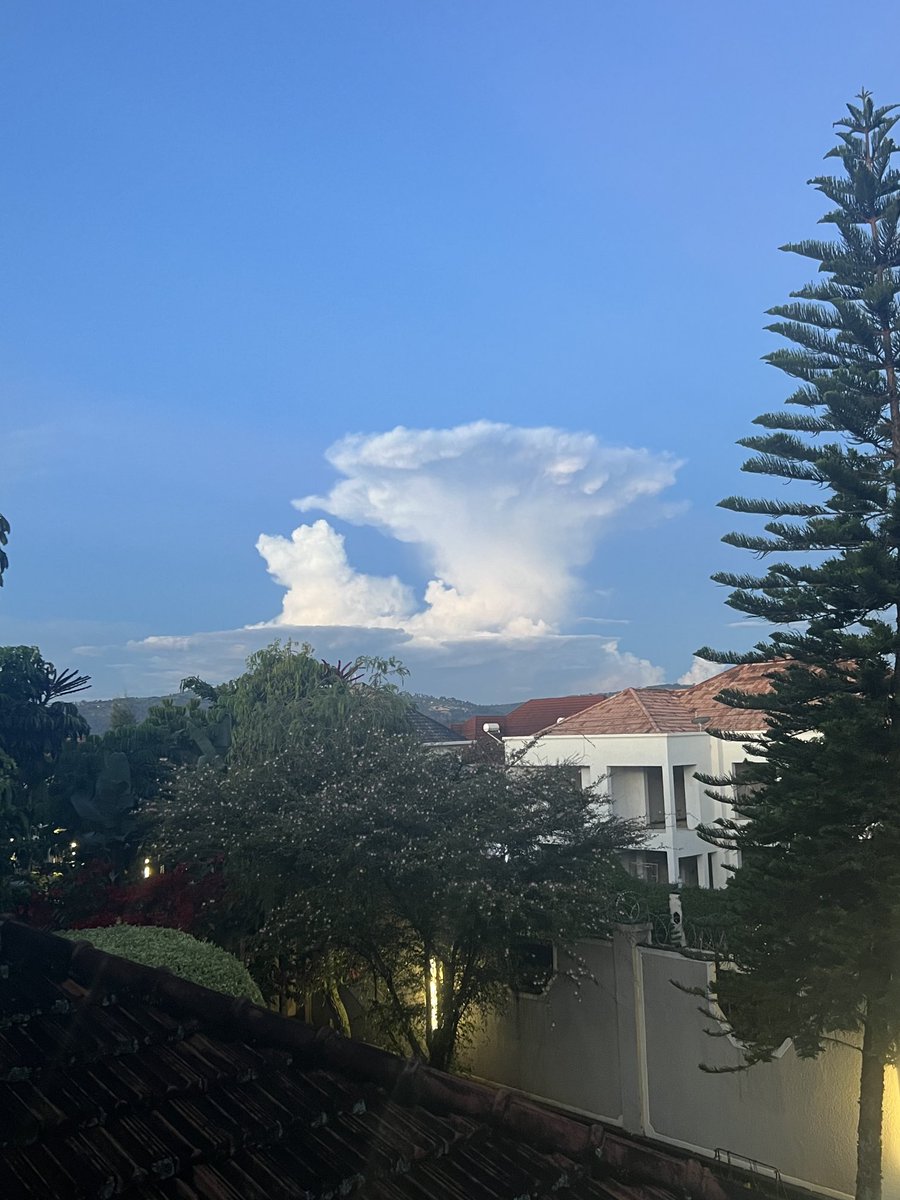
156 946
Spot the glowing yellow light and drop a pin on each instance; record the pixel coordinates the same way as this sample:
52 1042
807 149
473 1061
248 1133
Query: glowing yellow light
73 845
891 1159
434 973
148 869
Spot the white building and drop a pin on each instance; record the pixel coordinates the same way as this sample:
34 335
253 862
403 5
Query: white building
643 746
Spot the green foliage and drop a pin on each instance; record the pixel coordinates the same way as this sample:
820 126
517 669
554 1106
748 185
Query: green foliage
122 714
34 722
186 956
391 862
98 713
103 807
707 912
99 784
817 900
286 695
35 727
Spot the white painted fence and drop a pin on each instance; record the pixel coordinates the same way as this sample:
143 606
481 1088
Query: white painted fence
627 1050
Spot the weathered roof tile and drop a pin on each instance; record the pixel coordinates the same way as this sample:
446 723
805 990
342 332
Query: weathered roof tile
634 710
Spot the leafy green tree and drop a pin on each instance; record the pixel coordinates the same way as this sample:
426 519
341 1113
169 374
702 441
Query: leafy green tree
36 724
816 903
410 874
122 714
287 699
100 784
286 694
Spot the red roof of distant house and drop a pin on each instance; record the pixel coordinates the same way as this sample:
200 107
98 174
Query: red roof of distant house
535 715
530 717
473 727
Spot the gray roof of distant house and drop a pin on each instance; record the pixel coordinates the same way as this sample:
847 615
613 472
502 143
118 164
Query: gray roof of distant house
432 732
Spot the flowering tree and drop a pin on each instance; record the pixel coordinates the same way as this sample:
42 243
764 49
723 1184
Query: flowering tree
408 874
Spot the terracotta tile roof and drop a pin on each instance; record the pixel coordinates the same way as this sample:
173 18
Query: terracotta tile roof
635 710
676 710
118 1080
747 677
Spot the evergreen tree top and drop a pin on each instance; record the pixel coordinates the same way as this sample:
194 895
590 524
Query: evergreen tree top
816 813
837 442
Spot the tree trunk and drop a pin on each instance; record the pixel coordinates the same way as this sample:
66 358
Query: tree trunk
871 1100
440 1050
337 1007
282 987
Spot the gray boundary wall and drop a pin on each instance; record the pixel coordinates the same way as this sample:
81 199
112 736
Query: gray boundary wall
626 1047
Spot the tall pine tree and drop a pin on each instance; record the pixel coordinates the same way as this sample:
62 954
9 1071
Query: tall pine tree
818 892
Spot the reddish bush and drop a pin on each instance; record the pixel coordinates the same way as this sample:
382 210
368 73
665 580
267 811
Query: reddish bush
92 897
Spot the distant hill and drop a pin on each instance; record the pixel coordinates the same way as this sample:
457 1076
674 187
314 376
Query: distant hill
97 713
448 709
445 709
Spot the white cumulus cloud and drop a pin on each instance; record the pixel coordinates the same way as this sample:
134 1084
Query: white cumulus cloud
322 587
503 516
700 670
504 519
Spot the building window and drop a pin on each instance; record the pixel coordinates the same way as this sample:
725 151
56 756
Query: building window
650 865
680 795
689 870
656 805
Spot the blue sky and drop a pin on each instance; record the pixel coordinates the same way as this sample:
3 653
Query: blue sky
242 244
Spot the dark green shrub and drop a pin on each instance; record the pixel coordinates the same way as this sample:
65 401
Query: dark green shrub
186 956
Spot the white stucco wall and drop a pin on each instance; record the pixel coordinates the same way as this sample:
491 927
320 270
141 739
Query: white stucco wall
627 785
798 1115
525 1046
615 764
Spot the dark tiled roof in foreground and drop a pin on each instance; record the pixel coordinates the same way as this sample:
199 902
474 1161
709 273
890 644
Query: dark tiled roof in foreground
122 1080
